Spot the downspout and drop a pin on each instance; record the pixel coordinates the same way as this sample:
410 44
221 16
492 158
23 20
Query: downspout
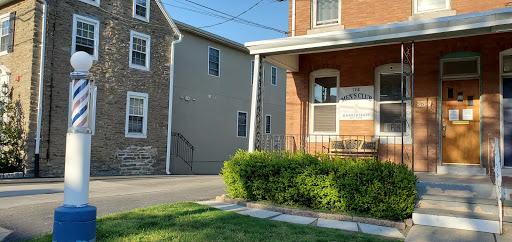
41 82
171 92
293 18
254 102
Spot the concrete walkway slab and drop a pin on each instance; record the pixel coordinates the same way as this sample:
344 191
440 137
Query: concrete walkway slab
381 230
294 219
4 233
421 233
259 213
336 224
223 206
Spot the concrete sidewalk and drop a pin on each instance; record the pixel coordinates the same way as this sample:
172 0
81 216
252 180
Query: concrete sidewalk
327 223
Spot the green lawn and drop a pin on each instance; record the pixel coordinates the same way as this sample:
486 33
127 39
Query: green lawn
193 222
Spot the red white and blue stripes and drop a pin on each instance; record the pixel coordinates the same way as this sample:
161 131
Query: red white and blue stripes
80 103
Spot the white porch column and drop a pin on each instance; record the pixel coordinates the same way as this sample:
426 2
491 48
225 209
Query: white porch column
254 102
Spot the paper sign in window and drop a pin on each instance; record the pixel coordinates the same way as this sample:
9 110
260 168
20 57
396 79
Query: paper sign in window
453 115
467 114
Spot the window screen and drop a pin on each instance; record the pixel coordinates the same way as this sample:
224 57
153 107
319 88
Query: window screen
324 119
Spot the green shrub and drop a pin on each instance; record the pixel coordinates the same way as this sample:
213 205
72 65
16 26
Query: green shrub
11 140
379 189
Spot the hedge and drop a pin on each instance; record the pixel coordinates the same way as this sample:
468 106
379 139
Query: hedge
379 189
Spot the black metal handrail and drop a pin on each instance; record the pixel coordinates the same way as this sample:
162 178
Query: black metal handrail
182 148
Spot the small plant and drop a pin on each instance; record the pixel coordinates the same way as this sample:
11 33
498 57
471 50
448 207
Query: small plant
11 141
379 189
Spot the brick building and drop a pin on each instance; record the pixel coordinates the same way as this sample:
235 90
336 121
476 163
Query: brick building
131 43
431 78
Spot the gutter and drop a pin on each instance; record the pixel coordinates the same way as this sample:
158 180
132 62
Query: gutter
41 82
171 95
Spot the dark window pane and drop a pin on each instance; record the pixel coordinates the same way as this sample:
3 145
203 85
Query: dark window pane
390 117
390 87
460 67
326 90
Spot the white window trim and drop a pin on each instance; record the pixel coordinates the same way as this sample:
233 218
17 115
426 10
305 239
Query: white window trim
148 50
415 7
145 120
312 77
96 24
315 25
252 71
208 59
3 18
92 2
269 131
246 123
146 19
271 75
393 68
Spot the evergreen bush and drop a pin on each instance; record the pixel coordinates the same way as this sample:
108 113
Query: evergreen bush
367 186
11 142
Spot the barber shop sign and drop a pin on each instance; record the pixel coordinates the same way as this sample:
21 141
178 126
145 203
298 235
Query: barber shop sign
356 103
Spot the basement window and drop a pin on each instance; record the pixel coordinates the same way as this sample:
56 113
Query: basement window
136 115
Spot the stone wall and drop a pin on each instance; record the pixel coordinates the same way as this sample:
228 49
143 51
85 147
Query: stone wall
114 78
24 63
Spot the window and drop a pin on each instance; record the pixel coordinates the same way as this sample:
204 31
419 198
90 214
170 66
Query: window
242 124
136 115
389 108
141 9
273 77
6 34
460 68
140 51
268 123
422 6
85 35
252 72
326 12
323 101
213 62
92 2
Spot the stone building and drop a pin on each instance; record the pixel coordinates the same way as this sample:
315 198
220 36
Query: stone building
131 44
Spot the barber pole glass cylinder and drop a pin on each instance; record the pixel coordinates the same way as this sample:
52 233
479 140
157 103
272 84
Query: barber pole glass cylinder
80 103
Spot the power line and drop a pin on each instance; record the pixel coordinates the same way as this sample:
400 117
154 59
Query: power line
223 16
249 9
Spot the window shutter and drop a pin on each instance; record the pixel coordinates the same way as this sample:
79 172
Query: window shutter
324 118
12 17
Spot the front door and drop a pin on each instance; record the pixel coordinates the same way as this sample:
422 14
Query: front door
507 120
461 122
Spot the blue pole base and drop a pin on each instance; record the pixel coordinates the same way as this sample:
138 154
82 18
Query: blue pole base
74 224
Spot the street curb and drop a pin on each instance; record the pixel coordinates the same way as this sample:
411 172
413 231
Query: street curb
388 223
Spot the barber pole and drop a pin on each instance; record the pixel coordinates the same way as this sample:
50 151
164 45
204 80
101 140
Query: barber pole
76 220
80 103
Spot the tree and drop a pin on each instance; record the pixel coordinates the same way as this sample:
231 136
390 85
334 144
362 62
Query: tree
11 141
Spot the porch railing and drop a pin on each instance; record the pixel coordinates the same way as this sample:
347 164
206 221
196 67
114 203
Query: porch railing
356 146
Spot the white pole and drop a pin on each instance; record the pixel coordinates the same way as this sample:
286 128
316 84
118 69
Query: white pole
293 18
254 102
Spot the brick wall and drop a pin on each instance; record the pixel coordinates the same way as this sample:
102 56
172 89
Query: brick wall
114 79
362 13
23 62
357 67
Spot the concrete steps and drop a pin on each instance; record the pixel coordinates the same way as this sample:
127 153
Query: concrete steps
458 202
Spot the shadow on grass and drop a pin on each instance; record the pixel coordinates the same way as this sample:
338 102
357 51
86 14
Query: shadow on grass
194 222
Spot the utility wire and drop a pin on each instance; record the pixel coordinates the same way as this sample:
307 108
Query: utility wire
249 9
223 16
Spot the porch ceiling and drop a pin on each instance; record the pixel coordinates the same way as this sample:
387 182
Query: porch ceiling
499 20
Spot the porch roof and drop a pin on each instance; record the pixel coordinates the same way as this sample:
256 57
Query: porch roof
284 51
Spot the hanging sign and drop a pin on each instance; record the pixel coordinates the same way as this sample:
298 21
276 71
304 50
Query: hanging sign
453 115
356 103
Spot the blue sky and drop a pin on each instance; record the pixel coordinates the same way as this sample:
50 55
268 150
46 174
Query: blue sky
270 13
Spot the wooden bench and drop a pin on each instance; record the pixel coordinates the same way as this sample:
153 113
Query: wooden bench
354 147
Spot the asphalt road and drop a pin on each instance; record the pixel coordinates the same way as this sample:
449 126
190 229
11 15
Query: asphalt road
27 205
